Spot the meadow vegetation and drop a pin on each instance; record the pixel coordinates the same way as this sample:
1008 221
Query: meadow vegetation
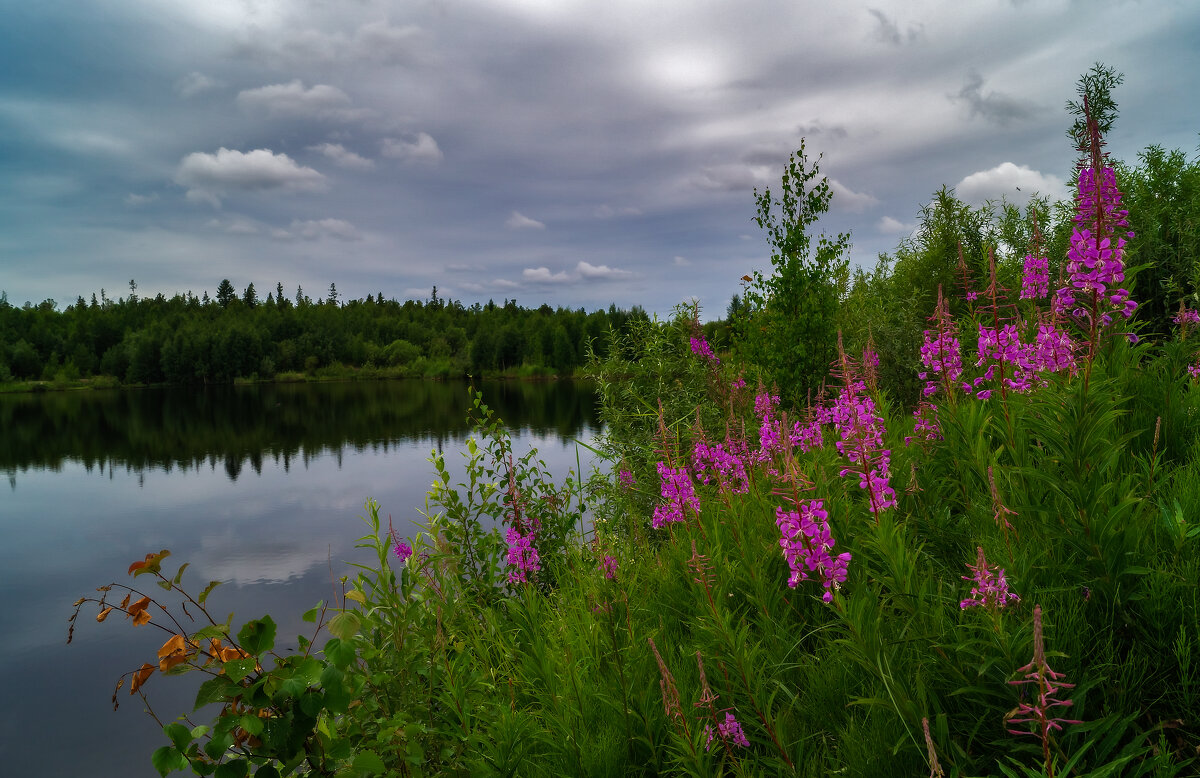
970 547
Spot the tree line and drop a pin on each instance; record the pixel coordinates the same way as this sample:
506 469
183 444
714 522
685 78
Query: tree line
187 339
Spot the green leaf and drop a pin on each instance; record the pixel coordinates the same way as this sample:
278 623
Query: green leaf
168 759
237 669
310 615
200 731
234 769
178 734
258 636
219 689
357 596
368 762
207 590
340 653
266 771
179 574
212 631
345 625
251 723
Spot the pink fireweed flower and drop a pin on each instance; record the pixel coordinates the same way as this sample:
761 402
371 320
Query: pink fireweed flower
925 424
730 731
679 493
806 542
861 432
807 437
1187 316
990 588
522 556
1046 684
728 468
402 550
625 478
700 347
1095 256
1035 281
1053 349
608 566
941 354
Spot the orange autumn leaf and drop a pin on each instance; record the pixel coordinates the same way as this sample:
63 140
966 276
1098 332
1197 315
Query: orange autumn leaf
138 611
167 662
142 617
102 615
140 676
175 644
125 602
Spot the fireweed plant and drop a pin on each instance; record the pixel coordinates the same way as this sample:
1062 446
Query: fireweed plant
749 591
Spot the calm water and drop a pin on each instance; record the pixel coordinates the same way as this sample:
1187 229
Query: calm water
260 487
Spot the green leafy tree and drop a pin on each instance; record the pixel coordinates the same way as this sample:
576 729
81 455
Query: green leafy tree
788 330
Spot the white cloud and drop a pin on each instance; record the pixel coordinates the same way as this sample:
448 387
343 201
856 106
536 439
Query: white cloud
681 262
846 199
504 283
733 178
342 156
583 271
314 229
136 200
382 42
542 275
195 83
588 270
293 101
1016 182
209 177
422 148
519 221
889 226
237 225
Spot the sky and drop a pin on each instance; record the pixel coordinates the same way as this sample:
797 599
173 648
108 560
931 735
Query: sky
573 153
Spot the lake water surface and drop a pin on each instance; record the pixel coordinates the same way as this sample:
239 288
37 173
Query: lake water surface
261 487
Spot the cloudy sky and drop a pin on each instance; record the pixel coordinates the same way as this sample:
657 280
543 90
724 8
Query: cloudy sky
576 153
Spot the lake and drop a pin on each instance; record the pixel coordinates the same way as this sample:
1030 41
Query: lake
261 487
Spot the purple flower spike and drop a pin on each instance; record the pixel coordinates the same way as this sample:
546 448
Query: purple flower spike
403 551
991 586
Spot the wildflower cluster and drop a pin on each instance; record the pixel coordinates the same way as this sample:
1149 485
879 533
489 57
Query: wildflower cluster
860 430
522 556
1035 280
806 542
728 467
729 730
990 589
700 347
679 493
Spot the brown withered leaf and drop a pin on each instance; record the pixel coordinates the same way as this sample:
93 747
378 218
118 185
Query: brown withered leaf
140 676
167 662
141 617
175 644
125 602
78 602
102 615
138 611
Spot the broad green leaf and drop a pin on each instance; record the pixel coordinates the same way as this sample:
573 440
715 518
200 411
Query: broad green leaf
178 734
357 596
234 769
368 762
237 669
345 625
167 760
251 723
310 615
258 637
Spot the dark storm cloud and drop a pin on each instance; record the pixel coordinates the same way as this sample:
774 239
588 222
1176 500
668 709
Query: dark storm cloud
522 148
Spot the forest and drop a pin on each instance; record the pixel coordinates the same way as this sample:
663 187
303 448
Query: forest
187 339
